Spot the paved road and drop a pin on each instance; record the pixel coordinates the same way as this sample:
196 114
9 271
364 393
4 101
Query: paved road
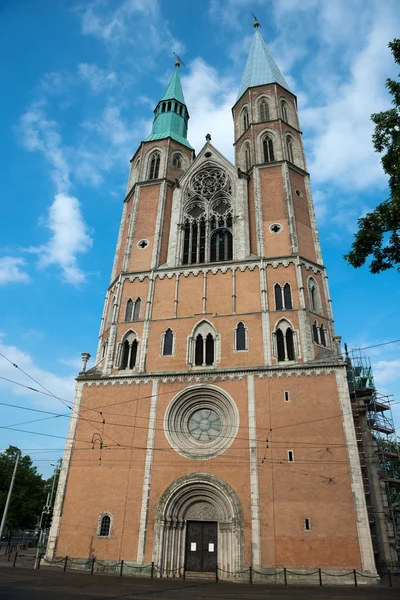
26 584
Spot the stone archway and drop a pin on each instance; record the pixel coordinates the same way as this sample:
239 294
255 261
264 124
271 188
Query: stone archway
202 497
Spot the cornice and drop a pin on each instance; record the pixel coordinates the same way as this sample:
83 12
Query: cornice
303 370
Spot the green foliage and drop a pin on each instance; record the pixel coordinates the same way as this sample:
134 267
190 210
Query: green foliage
29 494
379 231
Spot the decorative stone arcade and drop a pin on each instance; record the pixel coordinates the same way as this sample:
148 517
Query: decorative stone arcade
198 497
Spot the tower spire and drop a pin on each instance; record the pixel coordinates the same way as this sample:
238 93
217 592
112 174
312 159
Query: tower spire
171 114
260 67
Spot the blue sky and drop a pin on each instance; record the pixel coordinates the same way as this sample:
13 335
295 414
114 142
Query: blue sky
79 86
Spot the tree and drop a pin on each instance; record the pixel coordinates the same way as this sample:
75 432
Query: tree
29 494
379 231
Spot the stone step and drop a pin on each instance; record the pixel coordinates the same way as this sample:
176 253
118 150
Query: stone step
200 575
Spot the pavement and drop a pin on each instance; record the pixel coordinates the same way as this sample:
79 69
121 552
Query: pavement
48 584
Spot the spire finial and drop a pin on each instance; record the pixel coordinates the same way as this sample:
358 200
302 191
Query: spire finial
256 23
178 61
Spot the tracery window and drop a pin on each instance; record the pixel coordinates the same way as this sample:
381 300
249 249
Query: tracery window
264 111
284 342
202 345
208 220
128 351
268 149
177 161
154 166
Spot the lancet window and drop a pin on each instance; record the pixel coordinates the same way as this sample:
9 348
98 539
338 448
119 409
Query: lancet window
168 343
264 111
319 334
208 218
104 526
132 312
177 161
203 345
240 337
289 148
268 149
128 351
245 119
314 295
154 166
284 111
283 296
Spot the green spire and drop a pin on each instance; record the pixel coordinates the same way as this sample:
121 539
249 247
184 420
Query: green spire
171 115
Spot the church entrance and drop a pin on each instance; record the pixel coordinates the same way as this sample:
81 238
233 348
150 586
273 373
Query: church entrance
201 545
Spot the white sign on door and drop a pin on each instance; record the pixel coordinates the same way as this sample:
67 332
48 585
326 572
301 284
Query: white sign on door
193 546
211 547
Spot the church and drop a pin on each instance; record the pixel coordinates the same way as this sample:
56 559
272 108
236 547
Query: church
215 430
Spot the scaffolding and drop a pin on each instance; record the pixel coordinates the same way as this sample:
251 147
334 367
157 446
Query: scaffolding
379 458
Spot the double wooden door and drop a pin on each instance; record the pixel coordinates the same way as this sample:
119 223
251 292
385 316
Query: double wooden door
201 545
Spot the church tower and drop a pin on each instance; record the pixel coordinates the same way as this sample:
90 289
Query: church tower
215 429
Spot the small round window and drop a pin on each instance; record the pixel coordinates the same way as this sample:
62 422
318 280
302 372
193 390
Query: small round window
275 228
142 244
299 193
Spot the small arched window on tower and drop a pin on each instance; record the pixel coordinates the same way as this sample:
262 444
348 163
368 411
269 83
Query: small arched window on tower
177 161
247 157
268 149
163 107
315 332
128 350
283 297
314 296
112 312
154 166
168 342
129 310
169 106
289 148
322 335
104 527
240 337
245 119
264 111
284 111
284 342
136 309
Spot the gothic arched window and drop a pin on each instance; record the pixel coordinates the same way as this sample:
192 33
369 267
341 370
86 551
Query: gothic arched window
129 310
322 335
268 149
247 157
129 348
202 345
240 337
287 295
284 111
112 312
245 119
136 310
289 148
168 343
208 221
284 342
264 111
315 332
314 296
177 161
154 166
104 528
278 297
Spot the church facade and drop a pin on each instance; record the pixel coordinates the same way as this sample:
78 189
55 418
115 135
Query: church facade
215 429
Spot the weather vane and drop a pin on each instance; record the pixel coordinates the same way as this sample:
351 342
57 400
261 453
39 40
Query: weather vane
179 61
256 21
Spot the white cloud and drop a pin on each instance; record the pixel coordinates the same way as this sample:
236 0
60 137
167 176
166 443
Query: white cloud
98 79
69 232
10 270
60 386
69 237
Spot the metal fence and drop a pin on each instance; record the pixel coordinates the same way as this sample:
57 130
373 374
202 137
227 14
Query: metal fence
279 576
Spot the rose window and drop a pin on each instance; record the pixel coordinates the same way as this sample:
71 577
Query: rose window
204 425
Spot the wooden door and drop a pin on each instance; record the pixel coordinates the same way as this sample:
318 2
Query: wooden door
201 545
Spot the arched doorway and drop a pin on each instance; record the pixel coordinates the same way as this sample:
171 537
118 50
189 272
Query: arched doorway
199 524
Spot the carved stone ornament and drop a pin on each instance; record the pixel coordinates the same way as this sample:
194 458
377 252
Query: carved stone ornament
208 182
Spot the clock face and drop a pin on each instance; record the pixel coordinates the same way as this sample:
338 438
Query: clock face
204 425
